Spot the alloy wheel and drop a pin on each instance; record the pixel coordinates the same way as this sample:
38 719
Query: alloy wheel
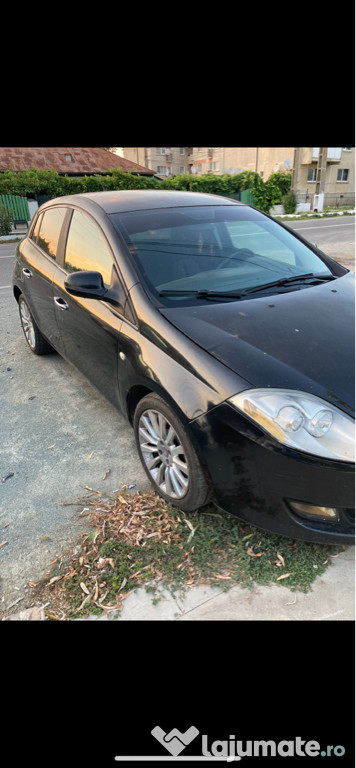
163 454
27 324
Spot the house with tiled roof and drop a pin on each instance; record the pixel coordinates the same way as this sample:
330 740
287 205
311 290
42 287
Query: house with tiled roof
72 161
66 161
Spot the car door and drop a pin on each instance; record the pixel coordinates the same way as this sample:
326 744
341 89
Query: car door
36 265
90 328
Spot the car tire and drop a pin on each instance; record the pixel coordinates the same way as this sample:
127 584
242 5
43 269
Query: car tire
37 343
168 456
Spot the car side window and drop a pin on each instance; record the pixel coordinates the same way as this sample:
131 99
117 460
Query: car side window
87 248
36 229
50 229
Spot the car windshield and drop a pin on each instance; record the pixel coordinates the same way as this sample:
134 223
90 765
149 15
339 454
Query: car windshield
186 254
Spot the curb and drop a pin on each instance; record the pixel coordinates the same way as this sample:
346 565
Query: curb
11 238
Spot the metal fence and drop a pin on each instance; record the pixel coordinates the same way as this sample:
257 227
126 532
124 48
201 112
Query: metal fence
245 196
17 206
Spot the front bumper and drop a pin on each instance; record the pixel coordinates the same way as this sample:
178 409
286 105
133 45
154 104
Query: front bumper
254 478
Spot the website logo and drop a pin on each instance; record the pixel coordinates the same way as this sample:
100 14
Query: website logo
230 749
175 741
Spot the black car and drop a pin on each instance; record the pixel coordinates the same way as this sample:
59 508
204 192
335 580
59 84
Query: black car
225 338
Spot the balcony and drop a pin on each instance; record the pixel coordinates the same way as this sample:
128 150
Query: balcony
333 154
311 155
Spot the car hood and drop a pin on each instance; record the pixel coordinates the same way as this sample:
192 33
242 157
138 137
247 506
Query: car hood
303 339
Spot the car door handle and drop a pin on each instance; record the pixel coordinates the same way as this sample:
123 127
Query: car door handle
60 302
26 272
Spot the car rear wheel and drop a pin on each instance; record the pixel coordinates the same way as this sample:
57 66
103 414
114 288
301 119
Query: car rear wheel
168 455
37 343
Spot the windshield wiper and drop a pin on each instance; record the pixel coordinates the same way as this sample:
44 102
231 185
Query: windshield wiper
203 293
286 280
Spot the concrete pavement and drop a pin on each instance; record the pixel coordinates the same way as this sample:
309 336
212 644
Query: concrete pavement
58 437
331 599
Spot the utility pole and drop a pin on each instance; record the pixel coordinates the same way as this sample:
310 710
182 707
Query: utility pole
294 182
320 179
321 171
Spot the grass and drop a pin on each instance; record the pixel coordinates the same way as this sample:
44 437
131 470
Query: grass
140 541
305 215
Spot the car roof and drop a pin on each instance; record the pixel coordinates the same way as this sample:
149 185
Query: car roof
141 199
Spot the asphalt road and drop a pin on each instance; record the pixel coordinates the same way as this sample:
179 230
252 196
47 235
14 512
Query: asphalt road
336 237
59 435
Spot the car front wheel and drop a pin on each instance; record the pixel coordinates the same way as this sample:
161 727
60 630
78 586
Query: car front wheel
168 455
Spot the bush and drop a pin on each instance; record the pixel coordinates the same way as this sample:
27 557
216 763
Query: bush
177 182
277 186
210 184
6 221
281 181
7 183
37 182
258 189
289 202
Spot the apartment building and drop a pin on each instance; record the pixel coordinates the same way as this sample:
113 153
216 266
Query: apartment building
331 172
165 161
232 160
335 180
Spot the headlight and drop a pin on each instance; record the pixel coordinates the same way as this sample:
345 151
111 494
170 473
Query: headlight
301 421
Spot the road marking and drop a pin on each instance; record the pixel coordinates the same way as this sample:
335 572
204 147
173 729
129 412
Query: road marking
324 226
2 287
7 257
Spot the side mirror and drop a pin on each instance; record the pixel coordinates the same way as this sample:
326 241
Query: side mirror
88 285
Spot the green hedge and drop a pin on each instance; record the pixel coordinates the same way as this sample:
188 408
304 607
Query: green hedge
265 194
38 182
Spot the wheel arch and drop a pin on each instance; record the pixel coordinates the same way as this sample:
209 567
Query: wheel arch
139 391
134 395
17 292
